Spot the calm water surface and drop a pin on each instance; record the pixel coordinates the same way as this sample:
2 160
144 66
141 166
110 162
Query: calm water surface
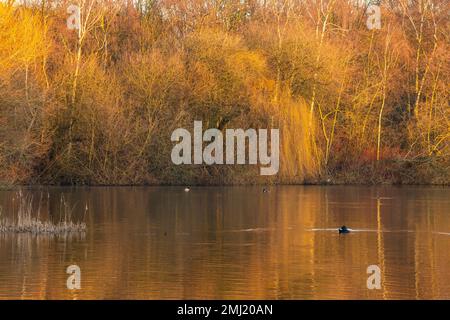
235 243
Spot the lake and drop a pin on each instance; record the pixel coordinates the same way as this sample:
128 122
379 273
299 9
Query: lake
234 243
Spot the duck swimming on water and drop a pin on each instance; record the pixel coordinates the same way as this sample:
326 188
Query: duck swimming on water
344 229
187 189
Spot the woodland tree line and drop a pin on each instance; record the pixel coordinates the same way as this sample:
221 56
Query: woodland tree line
98 105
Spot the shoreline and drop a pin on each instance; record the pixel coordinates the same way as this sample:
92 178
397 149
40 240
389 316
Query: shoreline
6 187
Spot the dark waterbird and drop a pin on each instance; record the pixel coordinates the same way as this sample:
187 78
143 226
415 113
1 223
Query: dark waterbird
344 229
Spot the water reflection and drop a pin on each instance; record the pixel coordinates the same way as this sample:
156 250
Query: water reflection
237 242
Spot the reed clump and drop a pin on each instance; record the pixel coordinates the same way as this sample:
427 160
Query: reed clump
25 220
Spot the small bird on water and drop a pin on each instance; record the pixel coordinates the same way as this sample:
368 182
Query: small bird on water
344 229
265 190
187 189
